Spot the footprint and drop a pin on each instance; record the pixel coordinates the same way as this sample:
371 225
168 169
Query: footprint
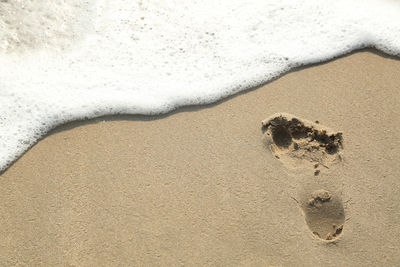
324 214
300 143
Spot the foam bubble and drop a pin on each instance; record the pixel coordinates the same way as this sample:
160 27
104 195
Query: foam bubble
68 60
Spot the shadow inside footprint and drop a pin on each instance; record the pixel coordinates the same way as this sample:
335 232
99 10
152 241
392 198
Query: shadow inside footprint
281 136
324 214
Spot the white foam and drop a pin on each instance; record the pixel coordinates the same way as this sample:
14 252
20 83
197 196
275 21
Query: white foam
68 60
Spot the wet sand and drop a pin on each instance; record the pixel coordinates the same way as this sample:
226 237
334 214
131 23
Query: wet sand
200 186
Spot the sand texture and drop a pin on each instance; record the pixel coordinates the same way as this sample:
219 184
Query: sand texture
303 171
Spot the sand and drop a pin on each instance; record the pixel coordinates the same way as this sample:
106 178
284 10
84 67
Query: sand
204 186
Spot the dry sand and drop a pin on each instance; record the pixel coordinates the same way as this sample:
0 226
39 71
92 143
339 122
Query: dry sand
202 186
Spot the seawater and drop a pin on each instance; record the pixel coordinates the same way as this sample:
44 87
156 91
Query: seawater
67 60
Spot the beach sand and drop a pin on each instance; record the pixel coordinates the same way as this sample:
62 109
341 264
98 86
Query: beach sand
207 186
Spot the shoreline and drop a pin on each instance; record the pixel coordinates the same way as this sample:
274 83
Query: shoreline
190 108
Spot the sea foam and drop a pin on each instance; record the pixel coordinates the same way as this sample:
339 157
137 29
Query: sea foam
70 60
